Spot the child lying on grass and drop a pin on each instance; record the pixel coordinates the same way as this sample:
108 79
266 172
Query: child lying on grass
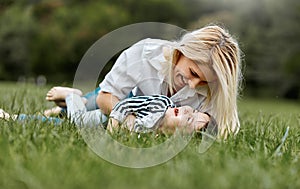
138 114
157 112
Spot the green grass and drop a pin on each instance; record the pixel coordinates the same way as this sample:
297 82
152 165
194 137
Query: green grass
40 155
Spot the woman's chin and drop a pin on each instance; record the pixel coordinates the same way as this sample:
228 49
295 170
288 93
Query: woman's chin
178 87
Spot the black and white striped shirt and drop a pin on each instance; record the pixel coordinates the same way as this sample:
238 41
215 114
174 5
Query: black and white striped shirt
148 111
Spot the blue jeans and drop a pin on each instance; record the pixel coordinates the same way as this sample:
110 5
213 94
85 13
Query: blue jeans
53 120
91 100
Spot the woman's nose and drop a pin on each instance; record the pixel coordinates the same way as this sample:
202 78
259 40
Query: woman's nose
193 83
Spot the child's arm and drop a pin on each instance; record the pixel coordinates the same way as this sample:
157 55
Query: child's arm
114 124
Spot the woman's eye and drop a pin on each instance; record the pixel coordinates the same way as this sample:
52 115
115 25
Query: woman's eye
194 73
203 83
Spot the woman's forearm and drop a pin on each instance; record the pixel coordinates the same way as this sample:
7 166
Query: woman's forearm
106 101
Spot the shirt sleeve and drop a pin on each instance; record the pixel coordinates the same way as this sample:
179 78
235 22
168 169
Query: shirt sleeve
148 111
126 72
148 123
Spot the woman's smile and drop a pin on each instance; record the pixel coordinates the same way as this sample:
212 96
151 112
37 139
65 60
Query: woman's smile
180 81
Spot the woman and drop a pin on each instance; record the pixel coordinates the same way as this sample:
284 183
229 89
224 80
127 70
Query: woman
202 70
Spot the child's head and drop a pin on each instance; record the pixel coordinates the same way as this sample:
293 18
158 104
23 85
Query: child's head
185 118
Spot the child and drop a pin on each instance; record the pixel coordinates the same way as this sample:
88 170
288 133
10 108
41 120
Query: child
157 112
138 114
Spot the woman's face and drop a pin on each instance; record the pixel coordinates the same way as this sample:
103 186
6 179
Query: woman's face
187 72
185 116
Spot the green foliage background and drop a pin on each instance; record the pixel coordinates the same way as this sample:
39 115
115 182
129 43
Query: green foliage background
49 37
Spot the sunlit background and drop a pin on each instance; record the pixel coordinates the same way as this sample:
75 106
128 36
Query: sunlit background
44 41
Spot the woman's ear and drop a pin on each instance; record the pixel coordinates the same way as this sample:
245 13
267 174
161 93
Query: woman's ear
176 56
167 52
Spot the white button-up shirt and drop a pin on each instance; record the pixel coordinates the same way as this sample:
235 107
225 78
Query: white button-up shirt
139 69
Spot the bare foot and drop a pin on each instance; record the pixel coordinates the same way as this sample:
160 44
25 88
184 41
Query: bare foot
53 111
60 93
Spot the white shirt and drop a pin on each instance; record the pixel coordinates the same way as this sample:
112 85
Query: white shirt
139 67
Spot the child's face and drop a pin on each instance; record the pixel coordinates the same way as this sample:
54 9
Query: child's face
185 116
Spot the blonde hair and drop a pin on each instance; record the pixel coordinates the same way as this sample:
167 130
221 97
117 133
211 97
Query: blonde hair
214 47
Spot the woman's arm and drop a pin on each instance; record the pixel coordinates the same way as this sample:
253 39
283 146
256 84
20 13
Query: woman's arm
106 101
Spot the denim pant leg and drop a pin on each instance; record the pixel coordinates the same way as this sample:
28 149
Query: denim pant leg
91 99
53 120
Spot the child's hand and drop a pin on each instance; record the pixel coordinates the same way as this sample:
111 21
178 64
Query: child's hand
114 124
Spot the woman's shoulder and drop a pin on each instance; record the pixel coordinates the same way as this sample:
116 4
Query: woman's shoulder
153 43
149 47
154 47
156 42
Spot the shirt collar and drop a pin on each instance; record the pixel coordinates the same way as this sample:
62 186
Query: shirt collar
187 92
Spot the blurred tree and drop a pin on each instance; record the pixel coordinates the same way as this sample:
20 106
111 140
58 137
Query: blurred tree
61 31
291 87
49 37
16 30
286 35
269 34
154 10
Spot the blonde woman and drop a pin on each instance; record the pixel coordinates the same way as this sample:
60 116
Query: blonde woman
201 70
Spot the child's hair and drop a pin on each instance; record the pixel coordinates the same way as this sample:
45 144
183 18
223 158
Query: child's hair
215 48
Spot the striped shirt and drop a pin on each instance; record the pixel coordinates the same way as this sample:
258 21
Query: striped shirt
148 110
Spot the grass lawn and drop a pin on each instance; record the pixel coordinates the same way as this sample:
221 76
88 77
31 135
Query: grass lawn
34 154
